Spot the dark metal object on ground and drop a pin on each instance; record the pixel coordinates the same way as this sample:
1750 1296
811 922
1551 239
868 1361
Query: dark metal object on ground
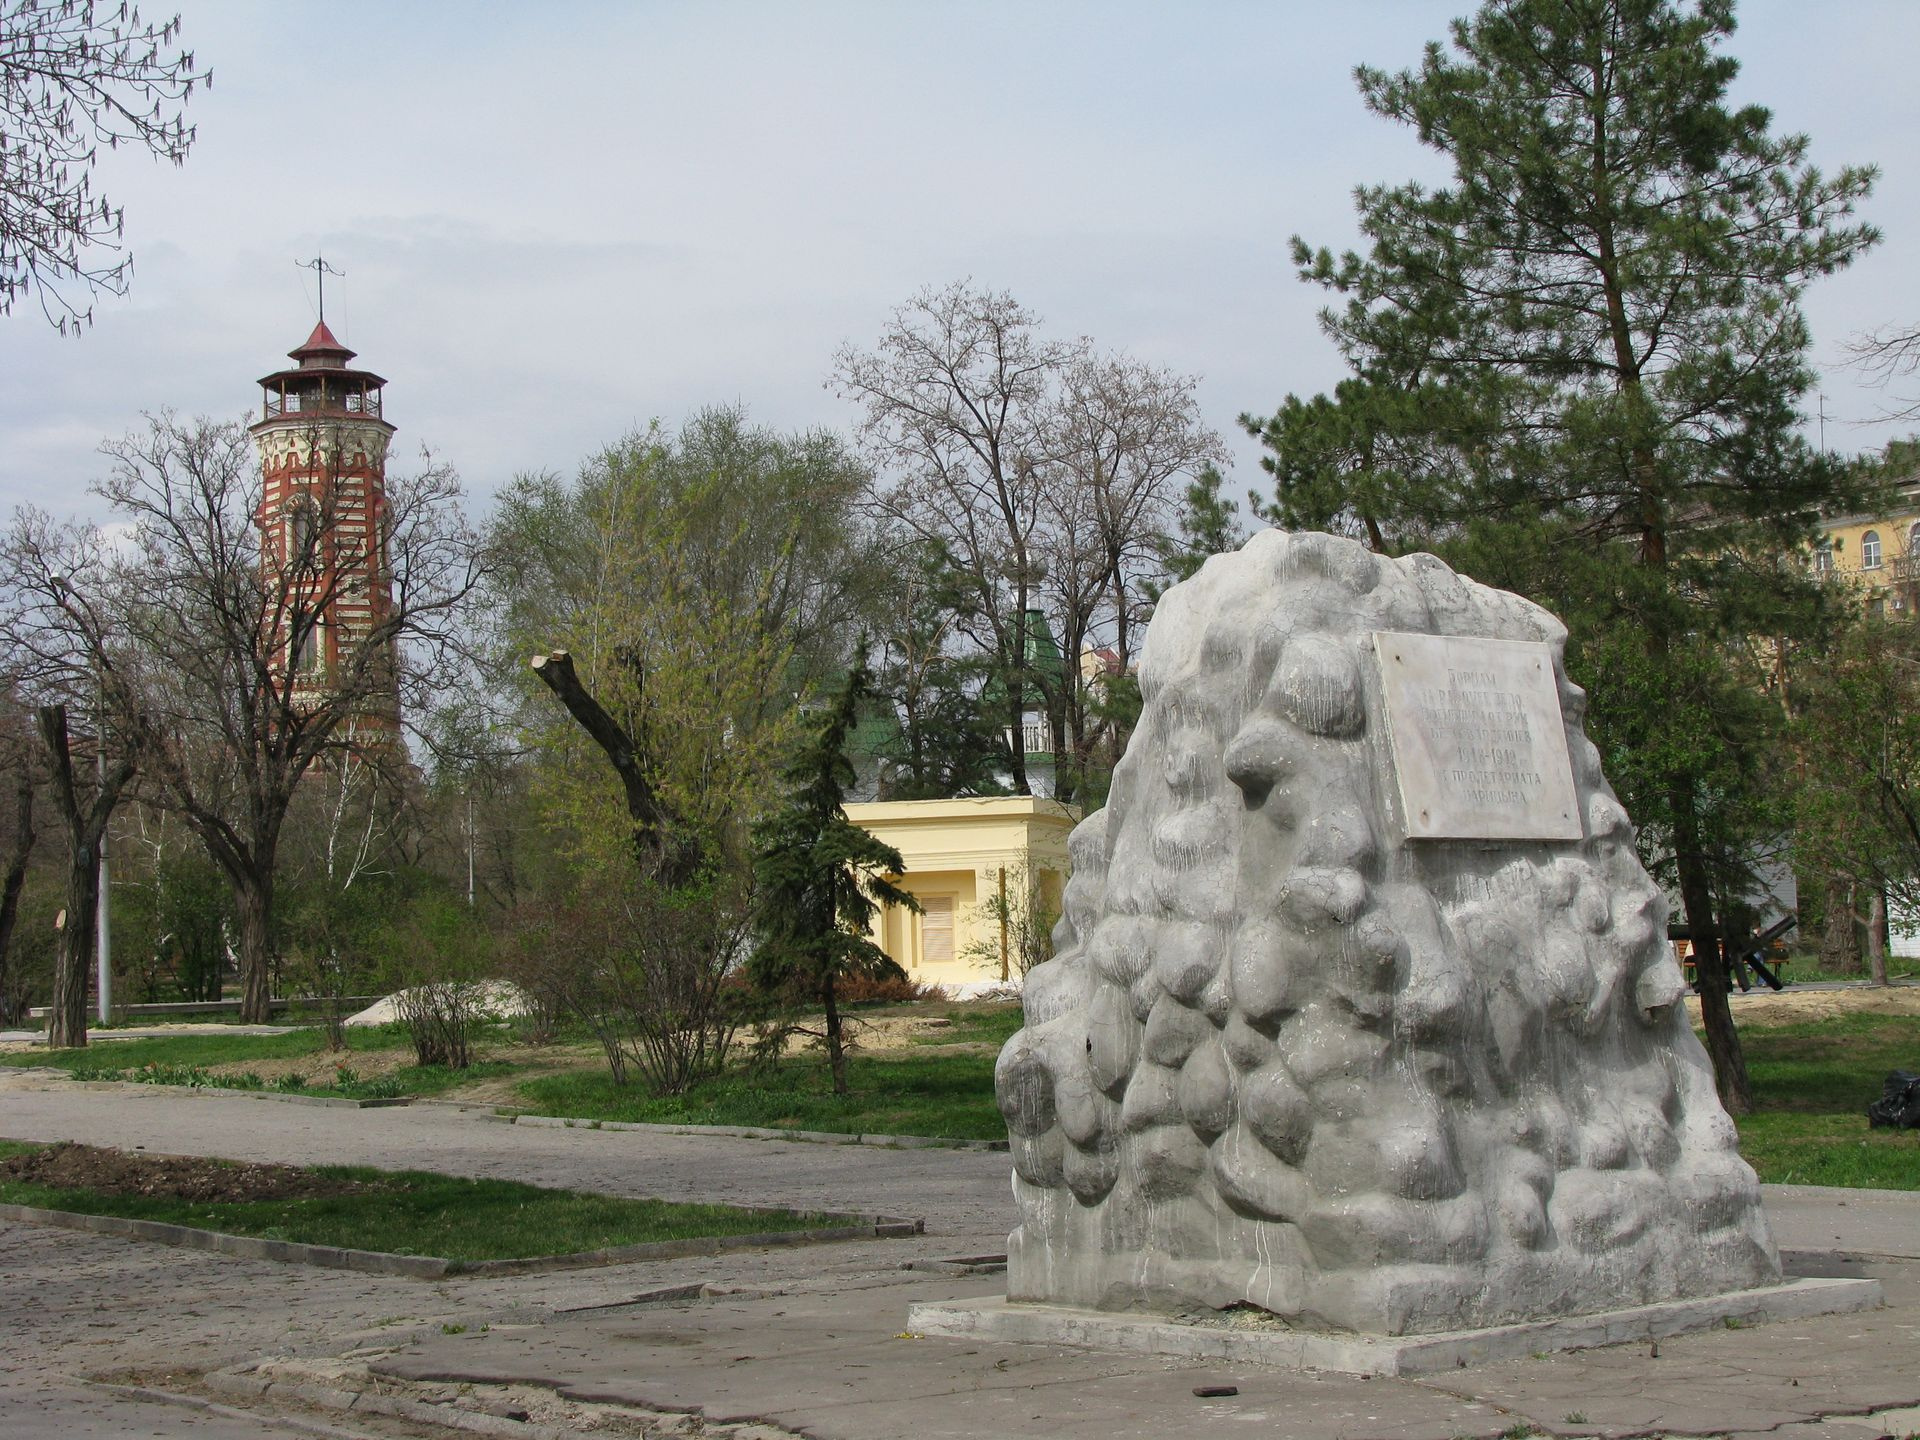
1899 1104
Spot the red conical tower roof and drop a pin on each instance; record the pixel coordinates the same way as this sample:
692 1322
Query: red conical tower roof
319 343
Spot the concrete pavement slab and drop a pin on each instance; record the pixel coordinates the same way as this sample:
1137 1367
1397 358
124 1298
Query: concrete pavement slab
834 1364
811 1339
1294 1348
958 1192
970 1191
829 1364
1864 1222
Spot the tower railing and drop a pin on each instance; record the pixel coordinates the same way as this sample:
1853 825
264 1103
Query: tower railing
354 404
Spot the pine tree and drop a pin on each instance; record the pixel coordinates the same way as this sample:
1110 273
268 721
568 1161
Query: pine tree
822 878
1208 525
1577 369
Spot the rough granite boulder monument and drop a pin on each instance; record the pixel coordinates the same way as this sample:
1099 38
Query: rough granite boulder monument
1363 1011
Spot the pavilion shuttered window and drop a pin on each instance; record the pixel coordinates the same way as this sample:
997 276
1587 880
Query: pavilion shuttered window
936 929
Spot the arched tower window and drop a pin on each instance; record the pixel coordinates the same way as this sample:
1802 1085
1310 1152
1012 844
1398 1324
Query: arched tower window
306 648
1870 550
303 531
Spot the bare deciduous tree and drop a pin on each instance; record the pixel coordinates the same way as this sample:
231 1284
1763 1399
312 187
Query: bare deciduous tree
44 617
74 77
85 814
1125 437
1050 473
1889 355
1131 436
956 402
16 761
194 627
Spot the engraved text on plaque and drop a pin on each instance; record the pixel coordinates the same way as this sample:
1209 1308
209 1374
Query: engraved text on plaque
1478 741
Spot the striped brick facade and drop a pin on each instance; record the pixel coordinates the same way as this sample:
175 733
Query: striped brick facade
322 441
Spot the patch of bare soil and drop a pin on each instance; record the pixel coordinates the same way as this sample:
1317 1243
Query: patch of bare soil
67 1166
1794 1007
531 1062
322 1067
865 1033
895 1032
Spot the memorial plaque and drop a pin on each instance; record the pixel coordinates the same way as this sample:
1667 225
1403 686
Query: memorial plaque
1479 744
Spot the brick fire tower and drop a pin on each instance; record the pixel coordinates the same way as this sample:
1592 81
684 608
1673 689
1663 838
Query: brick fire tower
322 442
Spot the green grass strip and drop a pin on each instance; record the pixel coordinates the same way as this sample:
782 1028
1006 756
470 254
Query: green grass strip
904 1093
1812 1082
202 1050
184 1060
413 1212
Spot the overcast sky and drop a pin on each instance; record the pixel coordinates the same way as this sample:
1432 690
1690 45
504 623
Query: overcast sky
558 222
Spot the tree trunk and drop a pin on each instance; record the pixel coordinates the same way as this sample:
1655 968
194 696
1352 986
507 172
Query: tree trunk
1877 937
1709 959
836 1046
86 827
67 1007
13 1000
1017 751
1067 776
1839 940
253 900
659 842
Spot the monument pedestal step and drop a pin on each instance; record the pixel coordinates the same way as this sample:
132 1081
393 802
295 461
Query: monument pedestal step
1357 1354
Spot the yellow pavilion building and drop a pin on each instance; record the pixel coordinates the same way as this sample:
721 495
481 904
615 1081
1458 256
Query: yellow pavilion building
972 864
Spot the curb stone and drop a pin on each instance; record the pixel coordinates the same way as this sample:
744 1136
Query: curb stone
285 1097
879 1140
288 1097
430 1267
753 1132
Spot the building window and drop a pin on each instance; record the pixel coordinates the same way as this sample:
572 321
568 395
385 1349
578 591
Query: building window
1823 558
303 530
936 929
1870 550
306 649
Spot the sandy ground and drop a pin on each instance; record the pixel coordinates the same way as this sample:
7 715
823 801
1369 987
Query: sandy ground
1793 1006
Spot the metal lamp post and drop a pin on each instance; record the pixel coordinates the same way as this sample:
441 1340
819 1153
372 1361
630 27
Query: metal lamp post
103 909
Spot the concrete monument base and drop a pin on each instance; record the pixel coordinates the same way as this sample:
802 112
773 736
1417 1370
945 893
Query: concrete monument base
1250 1338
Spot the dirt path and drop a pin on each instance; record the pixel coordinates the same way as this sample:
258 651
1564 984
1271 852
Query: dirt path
1793 1006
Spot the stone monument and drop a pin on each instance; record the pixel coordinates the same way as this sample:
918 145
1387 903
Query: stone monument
1363 1011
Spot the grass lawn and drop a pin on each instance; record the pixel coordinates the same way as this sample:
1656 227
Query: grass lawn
909 1092
199 1050
411 1212
1812 1082
183 1060
982 1026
